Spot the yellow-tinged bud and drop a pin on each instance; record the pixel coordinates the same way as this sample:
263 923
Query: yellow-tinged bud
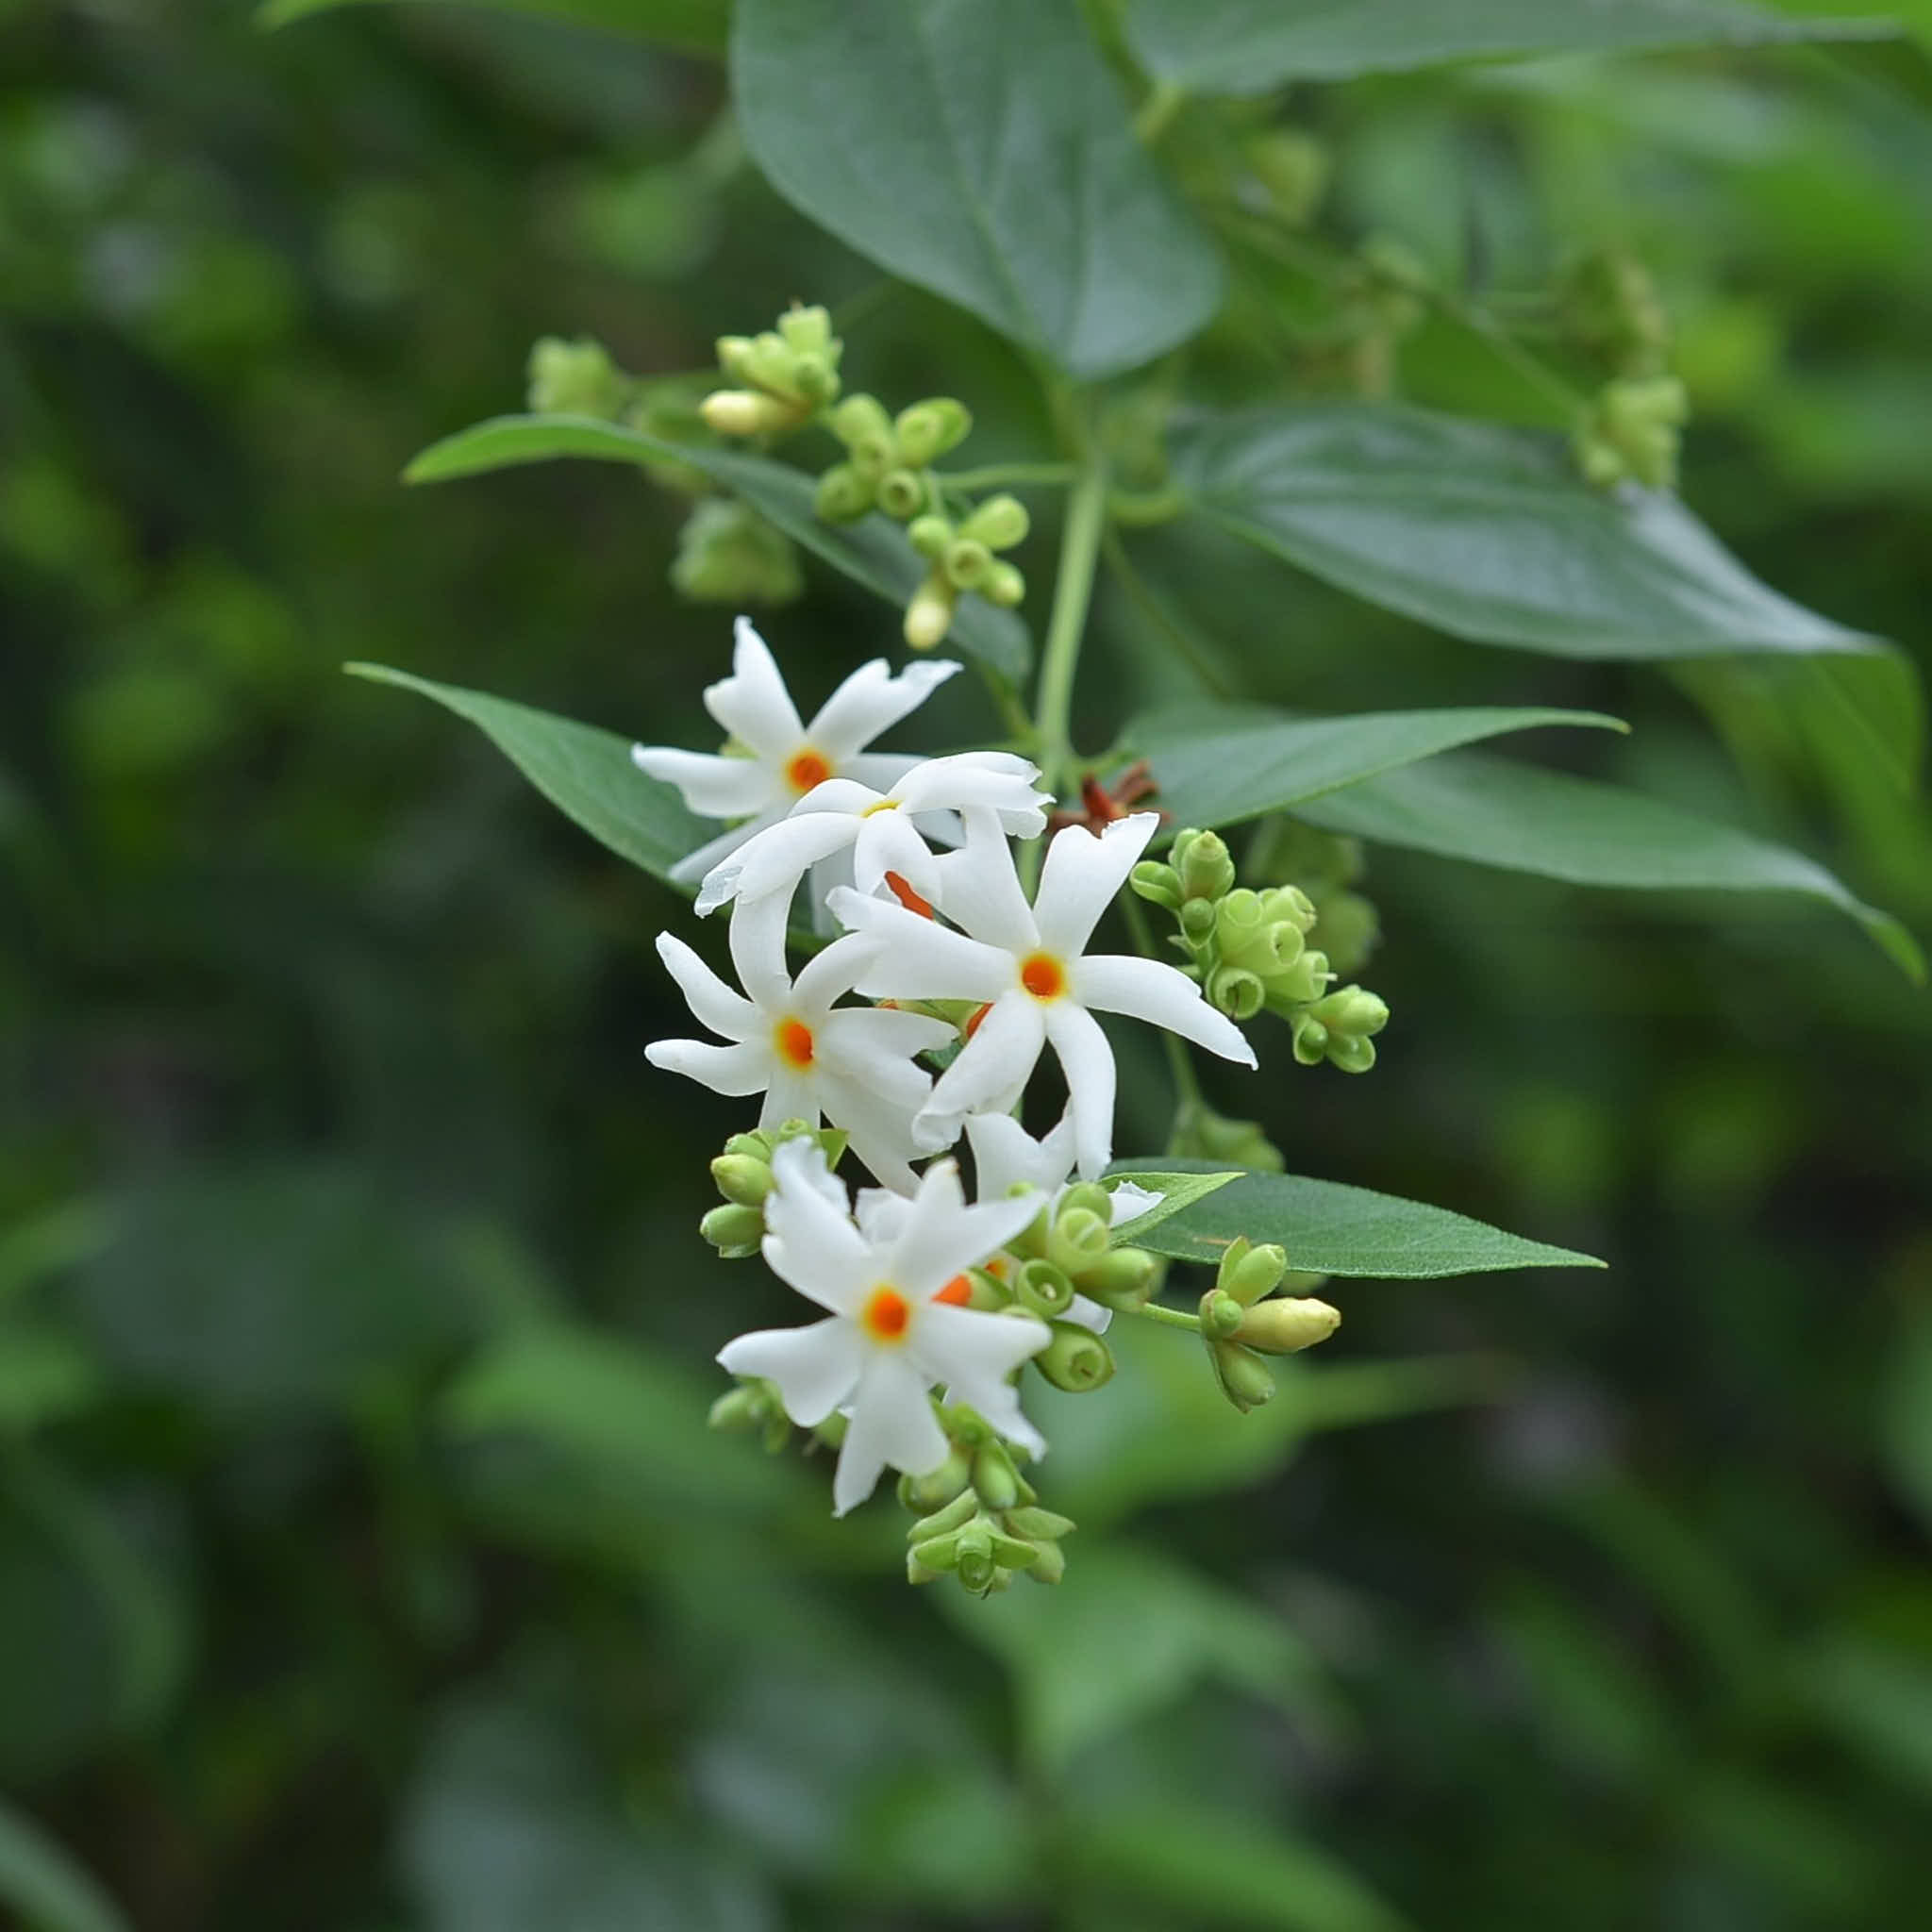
1077 1360
735 412
929 535
902 493
999 523
742 1178
1003 587
769 363
1286 1326
1353 1010
844 495
967 563
929 615
927 430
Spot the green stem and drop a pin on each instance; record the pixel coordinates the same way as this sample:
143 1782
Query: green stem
1066 626
1001 476
1171 1318
1154 115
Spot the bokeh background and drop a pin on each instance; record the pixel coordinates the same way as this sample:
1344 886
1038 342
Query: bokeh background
363 1563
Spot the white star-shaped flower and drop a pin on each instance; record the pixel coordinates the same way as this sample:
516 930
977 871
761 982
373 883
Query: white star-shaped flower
886 832
889 1339
785 759
853 1066
1027 966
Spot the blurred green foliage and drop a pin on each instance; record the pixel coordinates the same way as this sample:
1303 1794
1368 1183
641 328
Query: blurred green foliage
363 1563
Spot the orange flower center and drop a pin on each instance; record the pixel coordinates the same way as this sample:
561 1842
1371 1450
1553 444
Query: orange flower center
907 896
794 1041
808 768
885 1315
959 1291
1043 975
973 1021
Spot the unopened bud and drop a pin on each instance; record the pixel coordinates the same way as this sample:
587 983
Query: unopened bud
735 412
769 360
1310 1041
1243 1375
1123 1279
1286 1327
742 1178
929 535
955 1515
994 1479
576 379
815 379
807 330
1351 1055
999 523
742 1408
902 493
1003 587
927 430
1220 1314
1049 1563
1247 1271
1292 169
735 1231
1306 979
1205 867
1353 1010
929 615
933 1491
734 356
860 422
844 495
967 563
1039 1525
1075 1359
1158 883
1197 921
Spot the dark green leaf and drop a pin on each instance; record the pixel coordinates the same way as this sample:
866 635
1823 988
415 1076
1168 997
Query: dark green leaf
1220 764
983 151
1590 834
46 1885
1488 533
1176 1190
1251 46
585 772
699 27
1331 1229
873 552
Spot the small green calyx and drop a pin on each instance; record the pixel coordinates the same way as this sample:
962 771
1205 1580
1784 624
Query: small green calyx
754 1407
982 1524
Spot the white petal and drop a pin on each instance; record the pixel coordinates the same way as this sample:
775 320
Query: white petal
811 1241
697 865
735 1070
753 704
943 1237
996 781
1086 1060
992 1068
815 1367
781 855
757 939
1082 876
880 1214
918 959
1090 1315
710 1000
878 770
886 1152
792 1095
1001 1409
861 1037
830 972
888 842
973 1350
1161 995
714 787
980 890
1126 1203
1005 1154
893 1422
871 700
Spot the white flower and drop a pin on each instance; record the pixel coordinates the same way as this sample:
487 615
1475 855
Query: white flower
852 1065
1026 965
786 759
882 830
887 1342
1007 1158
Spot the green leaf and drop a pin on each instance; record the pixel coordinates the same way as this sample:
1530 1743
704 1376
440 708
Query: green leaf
585 772
1524 819
873 552
698 27
1176 1190
1332 1229
1252 47
1217 1870
1124 1634
1488 533
1220 764
45 1375
985 151
45 1885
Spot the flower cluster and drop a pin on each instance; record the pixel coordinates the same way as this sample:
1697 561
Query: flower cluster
917 1026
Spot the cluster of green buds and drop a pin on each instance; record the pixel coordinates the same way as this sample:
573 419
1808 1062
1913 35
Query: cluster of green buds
578 379
788 374
1632 428
744 1175
729 554
1255 1309
1327 866
1250 951
980 1518
1201 1134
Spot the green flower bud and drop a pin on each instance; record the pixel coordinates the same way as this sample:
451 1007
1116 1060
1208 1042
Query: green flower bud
1079 1238
576 379
1203 1135
734 1230
1039 1525
742 1408
1237 992
1003 587
1288 903
916 1571
955 1515
999 523
1030 1243
1012 1552
1243 1375
1310 1041
934 1491
769 363
1158 883
1292 169
974 1558
1206 867
808 331
1049 1564
902 493
1286 1327
729 554
1353 1010
1197 921
743 413
815 379
927 430
929 615
1077 1360
752 1146
1041 1288
1249 1273
844 495
995 1477
966 563
1347 930
1351 1055
734 356
929 535
990 1294
742 1178
860 422
1220 1314
1123 1279
1306 979
938 1552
